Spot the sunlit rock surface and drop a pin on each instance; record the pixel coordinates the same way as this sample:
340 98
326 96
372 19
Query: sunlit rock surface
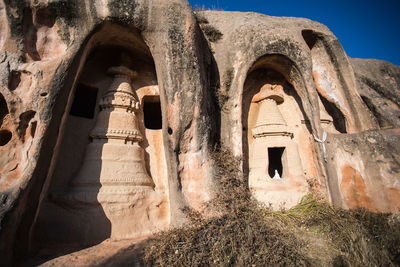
278 92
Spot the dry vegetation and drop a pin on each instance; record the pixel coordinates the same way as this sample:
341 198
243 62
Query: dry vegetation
212 34
247 234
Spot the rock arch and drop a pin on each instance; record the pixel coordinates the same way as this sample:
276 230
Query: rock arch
276 133
81 202
335 83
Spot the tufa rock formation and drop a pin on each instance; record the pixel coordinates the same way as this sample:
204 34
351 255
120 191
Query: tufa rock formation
109 111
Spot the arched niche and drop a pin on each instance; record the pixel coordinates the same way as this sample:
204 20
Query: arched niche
89 195
333 83
277 135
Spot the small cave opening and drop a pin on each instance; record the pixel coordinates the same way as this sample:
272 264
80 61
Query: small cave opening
84 101
5 137
33 128
46 17
275 161
339 121
24 118
309 37
3 108
14 80
30 36
152 112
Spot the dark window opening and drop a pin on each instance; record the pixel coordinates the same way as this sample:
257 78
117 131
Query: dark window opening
84 101
275 160
152 112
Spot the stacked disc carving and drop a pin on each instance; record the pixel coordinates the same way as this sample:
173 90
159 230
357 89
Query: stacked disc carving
113 168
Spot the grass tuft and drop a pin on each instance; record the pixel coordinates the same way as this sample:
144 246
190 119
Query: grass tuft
245 233
212 34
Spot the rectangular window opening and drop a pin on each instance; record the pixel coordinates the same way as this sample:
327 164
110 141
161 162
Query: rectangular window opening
275 166
84 103
152 112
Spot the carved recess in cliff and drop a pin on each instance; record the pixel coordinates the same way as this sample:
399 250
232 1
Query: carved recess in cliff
327 81
5 134
56 140
335 84
42 40
111 170
280 157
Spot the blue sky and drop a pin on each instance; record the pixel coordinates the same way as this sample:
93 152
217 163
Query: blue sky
365 28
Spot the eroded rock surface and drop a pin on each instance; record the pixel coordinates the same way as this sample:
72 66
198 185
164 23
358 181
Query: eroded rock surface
365 169
89 157
53 74
379 87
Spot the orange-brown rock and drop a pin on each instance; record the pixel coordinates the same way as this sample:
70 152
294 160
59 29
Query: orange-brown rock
353 189
364 169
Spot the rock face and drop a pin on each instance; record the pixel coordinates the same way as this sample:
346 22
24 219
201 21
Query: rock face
365 169
109 111
378 85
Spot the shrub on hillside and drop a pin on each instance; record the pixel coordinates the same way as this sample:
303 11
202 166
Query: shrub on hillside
245 233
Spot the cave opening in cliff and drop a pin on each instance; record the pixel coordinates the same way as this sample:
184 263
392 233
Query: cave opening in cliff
99 147
276 142
84 103
309 37
3 108
5 137
14 80
275 155
339 121
152 112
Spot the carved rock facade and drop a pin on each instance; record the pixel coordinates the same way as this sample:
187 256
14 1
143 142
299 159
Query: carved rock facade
109 111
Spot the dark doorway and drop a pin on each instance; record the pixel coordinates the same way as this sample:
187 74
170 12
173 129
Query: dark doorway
275 160
84 101
152 112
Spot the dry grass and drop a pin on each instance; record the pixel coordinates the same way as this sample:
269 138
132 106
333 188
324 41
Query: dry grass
212 34
247 234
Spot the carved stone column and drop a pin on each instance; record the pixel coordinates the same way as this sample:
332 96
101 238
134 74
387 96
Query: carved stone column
113 169
269 124
269 119
274 163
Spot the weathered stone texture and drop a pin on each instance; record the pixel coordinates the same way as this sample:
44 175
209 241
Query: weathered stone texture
364 169
45 47
278 92
379 87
